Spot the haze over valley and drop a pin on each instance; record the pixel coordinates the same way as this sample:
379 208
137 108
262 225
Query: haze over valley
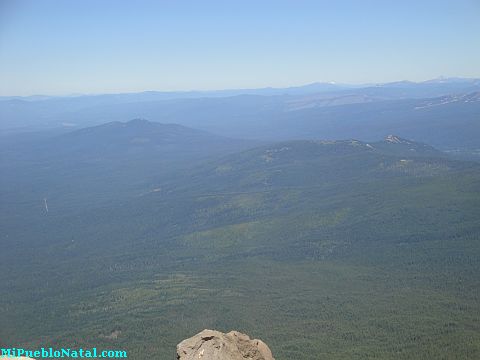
339 219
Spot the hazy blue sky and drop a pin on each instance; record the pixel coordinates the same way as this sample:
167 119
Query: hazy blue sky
61 47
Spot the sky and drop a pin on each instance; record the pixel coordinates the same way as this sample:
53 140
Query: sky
58 47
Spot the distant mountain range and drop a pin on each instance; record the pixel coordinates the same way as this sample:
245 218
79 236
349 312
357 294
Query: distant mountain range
440 112
432 87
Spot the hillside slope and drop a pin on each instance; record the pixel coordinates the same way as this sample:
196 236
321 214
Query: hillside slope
323 249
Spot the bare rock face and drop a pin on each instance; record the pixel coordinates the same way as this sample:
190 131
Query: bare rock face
214 345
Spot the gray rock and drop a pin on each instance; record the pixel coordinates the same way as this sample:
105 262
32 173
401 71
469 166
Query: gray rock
214 345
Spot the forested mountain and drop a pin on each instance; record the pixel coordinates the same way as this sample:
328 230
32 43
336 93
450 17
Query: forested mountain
327 111
346 249
96 164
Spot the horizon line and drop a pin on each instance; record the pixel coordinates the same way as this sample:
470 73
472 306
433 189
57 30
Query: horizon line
186 91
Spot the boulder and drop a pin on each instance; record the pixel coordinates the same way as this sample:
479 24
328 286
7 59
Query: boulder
215 345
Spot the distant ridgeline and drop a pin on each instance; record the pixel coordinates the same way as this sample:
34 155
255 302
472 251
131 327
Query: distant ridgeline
441 112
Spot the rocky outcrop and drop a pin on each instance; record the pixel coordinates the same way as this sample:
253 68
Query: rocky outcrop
215 345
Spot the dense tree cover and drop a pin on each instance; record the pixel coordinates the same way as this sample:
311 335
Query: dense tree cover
325 250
